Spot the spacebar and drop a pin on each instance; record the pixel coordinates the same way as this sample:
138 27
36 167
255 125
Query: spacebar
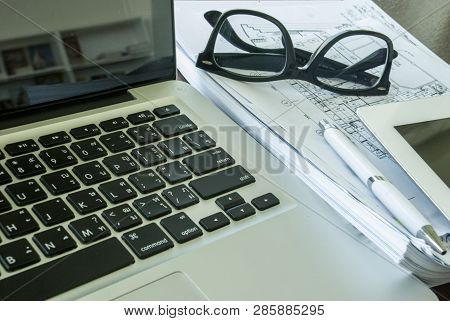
58 276
222 182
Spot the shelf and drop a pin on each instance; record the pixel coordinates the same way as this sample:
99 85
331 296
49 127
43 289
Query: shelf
107 61
32 74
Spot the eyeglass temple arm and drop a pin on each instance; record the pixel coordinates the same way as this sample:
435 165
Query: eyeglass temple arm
264 62
375 59
251 61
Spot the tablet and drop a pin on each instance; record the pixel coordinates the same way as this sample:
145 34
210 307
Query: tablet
417 135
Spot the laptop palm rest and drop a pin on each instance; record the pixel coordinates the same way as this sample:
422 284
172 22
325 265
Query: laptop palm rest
173 287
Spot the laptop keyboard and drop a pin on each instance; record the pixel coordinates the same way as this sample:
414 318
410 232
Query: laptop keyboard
119 175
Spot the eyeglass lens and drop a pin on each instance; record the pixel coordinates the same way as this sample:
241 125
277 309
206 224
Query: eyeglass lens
242 47
355 62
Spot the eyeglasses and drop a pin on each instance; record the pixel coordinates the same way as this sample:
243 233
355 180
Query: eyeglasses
251 46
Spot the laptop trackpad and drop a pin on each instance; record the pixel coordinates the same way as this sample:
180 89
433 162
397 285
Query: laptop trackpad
173 287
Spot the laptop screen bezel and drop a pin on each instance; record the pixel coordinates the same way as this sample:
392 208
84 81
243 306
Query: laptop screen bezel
86 98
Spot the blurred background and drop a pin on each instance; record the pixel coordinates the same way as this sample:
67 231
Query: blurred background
428 21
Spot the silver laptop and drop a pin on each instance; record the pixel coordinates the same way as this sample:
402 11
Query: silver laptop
119 183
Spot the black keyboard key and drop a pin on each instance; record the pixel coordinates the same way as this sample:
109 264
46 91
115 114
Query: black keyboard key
88 149
122 217
214 222
222 182
152 206
58 157
144 134
114 124
117 142
117 191
23 147
63 274
181 227
265 201
147 181
2 156
208 161
121 164
5 178
148 156
17 223
228 201
4 204
25 166
55 139
241 211
173 126
60 182
14 256
89 229
180 196
174 172
140 118
26 192
199 140
54 241
53 212
86 201
175 148
147 241
166 111
91 173
85 131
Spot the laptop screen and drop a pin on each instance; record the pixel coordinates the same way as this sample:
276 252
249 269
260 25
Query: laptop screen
57 50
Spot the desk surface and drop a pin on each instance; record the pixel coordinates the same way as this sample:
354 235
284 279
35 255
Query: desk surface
428 21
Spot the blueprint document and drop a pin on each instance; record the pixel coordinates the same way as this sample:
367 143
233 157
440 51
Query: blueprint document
292 109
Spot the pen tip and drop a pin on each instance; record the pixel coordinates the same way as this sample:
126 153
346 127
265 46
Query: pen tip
430 236
325 124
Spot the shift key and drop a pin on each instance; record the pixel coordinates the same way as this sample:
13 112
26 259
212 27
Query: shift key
222 182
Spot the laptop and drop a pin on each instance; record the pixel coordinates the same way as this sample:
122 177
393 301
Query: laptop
118 182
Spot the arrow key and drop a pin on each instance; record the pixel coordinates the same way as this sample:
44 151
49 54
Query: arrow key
54 241
229 201
242 211
214 222
265 201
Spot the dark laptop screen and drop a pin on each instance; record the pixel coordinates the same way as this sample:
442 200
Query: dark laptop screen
56 50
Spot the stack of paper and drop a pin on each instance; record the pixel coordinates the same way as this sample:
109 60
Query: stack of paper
283 116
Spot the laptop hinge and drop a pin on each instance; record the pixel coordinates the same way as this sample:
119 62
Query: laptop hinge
58 110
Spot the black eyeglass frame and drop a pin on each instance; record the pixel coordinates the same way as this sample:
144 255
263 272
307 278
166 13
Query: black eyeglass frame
292 69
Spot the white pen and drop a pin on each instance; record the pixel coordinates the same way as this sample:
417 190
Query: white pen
387 193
